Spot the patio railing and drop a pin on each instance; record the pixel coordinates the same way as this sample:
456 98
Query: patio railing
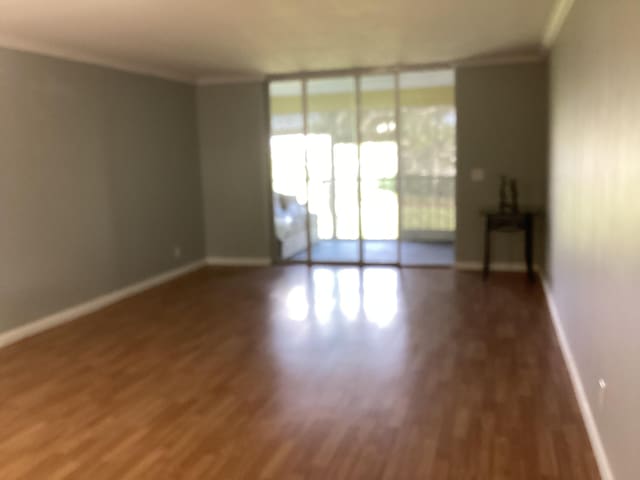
428 204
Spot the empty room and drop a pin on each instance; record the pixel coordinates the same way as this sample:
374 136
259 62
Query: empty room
319 240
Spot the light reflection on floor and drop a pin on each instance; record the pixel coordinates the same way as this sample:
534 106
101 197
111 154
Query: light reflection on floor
331 326
350 293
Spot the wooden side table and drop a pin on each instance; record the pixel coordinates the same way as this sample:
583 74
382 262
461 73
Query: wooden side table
500 221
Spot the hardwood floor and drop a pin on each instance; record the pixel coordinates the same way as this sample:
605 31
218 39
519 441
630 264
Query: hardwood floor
296 373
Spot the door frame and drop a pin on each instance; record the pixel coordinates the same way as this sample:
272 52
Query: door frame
357 74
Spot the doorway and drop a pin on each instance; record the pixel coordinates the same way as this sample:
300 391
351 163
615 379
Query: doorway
363 168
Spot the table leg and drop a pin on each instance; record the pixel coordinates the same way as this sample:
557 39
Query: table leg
487 249
528 246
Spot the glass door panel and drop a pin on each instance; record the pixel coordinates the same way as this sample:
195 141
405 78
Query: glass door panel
288 171
364 167
333 167
378 169
346 190
428 167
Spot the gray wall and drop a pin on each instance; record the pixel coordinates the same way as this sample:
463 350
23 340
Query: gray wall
594 242
502 129
99 180
233 153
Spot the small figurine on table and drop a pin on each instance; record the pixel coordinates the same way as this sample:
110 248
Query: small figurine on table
508 200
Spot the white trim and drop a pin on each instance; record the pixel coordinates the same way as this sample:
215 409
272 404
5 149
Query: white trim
141 68
69 314
495 266
578 388
501 59
476 61
224 79
558 16
74 55
239 261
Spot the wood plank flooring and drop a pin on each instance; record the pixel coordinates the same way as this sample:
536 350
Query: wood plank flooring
296 373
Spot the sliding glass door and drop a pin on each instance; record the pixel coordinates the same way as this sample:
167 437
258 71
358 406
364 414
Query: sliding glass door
363 168
378 169
332 160
427 142
293 230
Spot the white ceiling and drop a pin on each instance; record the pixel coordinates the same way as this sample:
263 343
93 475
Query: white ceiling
196 39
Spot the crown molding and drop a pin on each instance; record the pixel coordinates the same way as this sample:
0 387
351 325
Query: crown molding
41 48
559 14
557 18
533 55
500 59
223 79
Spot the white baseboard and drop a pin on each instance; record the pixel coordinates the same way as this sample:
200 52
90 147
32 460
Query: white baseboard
578 388
69 314
239 261
495 266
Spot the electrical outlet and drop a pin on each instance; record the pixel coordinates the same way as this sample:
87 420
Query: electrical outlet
177 252
602 393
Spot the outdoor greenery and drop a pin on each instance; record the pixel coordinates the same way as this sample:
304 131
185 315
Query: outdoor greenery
427 156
